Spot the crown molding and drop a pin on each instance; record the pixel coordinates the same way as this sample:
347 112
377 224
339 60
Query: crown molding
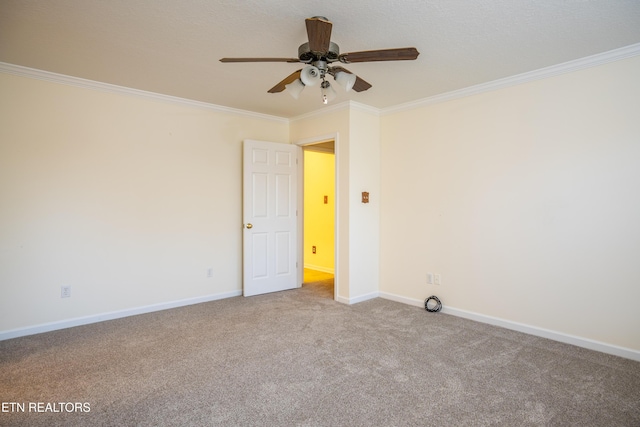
364 108
332 108
542 73
33 73
346 105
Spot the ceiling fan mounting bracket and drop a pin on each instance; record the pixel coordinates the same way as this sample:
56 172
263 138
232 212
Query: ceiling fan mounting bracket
305 54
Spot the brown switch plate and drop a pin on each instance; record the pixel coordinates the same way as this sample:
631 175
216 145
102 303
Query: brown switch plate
365 197
326 199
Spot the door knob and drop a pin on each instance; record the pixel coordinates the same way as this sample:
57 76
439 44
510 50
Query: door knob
249 225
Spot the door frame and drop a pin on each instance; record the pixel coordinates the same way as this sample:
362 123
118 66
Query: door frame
336 267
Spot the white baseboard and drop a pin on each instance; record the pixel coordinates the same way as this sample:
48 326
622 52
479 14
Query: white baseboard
404 300
357 299
78 321
364 297
527 329
520 327
319 268
342 300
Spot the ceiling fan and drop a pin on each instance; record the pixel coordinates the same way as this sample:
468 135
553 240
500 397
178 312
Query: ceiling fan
319 53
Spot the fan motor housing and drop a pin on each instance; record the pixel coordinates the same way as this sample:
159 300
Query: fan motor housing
306 55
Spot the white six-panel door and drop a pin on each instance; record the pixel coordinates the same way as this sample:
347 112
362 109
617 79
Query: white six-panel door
269 217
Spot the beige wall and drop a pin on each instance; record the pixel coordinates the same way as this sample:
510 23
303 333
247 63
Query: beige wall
336 124
526 200
364 230
358 169
127 200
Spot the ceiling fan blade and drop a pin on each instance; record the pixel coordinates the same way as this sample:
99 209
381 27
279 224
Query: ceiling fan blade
319 32
399 54
359 86
289 79
259 60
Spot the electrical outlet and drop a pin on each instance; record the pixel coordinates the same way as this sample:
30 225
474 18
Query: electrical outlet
313 249
429 278
210 272
438 281
65 292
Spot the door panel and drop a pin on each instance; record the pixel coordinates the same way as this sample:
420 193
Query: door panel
283 253
269 216
259 189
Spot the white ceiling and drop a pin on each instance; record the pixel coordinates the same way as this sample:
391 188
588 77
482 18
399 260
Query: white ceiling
172 47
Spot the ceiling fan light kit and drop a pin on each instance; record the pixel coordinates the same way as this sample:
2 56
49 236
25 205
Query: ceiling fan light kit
345 80
318 53
295 88
328 93
310 75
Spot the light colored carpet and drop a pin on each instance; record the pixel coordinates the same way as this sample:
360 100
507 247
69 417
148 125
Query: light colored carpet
300 358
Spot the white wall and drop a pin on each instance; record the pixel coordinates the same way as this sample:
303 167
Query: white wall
127 200
358 170
364 230
526 200
333 122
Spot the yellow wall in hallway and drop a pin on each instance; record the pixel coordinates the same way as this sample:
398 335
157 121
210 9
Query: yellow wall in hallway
319 218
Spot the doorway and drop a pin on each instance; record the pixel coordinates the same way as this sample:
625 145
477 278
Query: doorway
319 212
